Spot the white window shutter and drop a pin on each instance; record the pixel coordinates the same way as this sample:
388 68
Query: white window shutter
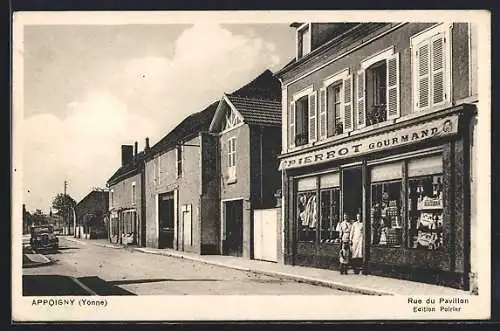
422 88
347 105
393 103
438 63
313 119
322 113
360 98
291 126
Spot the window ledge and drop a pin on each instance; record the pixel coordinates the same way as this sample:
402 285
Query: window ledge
332 138
418 113
372 127
231 181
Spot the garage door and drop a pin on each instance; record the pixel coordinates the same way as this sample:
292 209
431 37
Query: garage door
266 235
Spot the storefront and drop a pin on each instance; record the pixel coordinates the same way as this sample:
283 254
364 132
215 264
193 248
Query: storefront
409 183
123 227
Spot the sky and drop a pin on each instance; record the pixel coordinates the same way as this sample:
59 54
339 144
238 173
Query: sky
88 89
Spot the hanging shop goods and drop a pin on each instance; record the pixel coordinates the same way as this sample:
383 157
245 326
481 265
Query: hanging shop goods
426 212
410 200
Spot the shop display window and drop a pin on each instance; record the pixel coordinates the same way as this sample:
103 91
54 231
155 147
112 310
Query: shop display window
385 216
425 209
307 216
330 213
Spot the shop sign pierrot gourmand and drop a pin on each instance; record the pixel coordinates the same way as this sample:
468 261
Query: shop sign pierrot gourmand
405 136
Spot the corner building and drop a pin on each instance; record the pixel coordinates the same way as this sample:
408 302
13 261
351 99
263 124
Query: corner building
379 119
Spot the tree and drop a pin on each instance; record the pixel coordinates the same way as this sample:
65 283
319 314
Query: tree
26 219
63 204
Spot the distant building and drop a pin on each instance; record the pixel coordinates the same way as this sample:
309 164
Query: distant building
91 213
126 215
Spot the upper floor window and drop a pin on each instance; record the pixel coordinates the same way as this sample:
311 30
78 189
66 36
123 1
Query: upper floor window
112 195
333 117
178 152
431 64
335 111
303 40
302 118
377 89
231 158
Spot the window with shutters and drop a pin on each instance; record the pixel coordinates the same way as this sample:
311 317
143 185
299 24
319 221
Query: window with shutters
303 118
334 121
377 89
431 68
334 108
302 121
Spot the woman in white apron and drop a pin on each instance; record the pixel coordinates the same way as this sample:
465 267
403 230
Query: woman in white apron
356 240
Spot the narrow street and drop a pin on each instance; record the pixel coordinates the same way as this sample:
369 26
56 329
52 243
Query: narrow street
137 273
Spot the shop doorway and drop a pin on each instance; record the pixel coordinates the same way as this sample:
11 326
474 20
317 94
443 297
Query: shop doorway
352 191
234 228
166 220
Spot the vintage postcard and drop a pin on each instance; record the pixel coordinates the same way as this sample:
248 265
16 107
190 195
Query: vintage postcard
251 165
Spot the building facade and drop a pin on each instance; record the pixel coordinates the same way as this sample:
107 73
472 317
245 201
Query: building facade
379 124
178 190
126 196
91 214
247 124
205 177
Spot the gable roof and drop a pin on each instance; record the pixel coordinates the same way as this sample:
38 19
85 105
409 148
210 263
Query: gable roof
189 127
257 111
264 86
127 170
258 102
101 194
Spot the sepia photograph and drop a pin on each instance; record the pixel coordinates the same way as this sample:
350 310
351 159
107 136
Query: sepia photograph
258 165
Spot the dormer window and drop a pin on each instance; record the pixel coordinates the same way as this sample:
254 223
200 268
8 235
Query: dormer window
303 40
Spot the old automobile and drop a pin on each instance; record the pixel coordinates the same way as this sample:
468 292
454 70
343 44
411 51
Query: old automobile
43 238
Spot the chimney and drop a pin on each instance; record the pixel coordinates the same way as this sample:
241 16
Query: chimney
135 150
127 154
146 147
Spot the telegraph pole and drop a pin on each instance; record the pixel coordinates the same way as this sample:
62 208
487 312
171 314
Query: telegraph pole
66 223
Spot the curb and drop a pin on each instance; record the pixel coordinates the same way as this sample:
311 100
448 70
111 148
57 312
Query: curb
78 241
281 275
38 264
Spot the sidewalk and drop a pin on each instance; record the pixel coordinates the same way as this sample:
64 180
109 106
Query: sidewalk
363 284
